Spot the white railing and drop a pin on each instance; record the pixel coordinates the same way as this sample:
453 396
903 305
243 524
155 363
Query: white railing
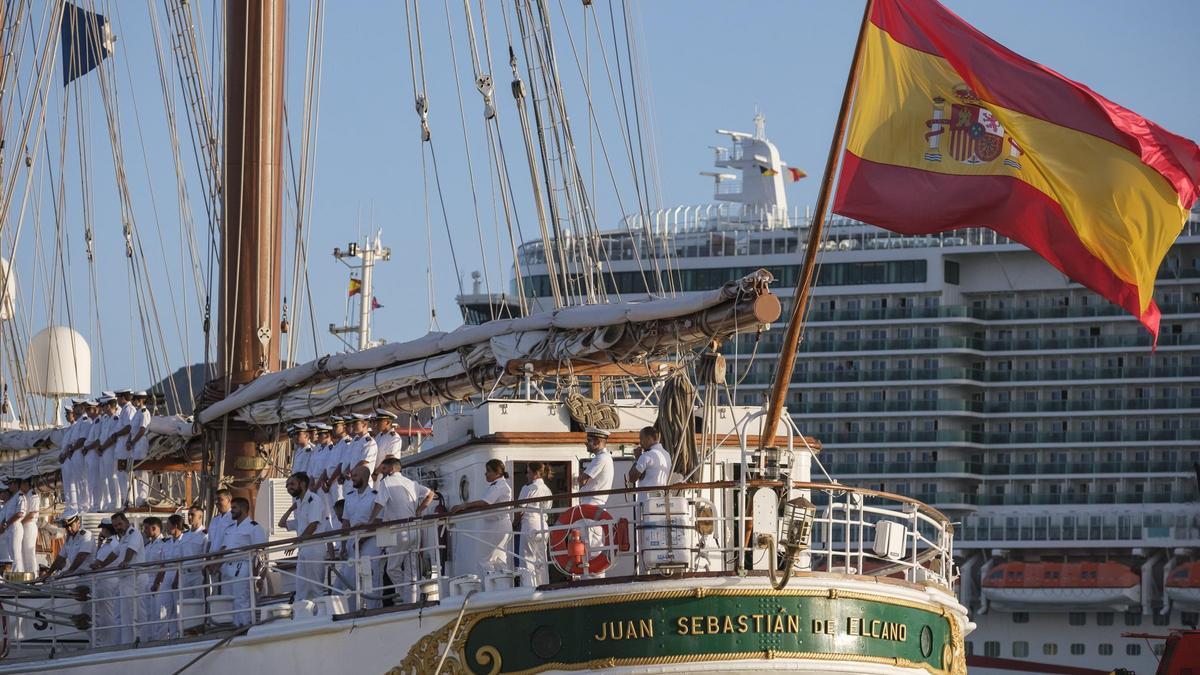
645 536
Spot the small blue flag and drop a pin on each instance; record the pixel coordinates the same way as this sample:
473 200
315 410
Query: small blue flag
86 41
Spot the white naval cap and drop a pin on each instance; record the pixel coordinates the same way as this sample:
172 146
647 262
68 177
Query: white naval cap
597 431
71 513
382 414
140 394
360 417
91 402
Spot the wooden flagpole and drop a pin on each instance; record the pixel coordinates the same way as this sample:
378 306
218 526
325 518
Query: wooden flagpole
791 340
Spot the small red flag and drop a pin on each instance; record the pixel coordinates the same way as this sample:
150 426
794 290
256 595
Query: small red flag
375 303
796 174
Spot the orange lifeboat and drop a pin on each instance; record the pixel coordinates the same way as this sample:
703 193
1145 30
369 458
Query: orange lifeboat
1183 584
1084 585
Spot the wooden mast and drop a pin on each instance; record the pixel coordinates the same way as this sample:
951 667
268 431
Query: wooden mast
251 241
791 340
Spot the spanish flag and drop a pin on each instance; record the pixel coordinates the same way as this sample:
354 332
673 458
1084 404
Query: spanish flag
767 171
355 287
950 129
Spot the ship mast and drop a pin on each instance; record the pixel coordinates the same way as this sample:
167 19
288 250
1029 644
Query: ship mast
791 339
251 241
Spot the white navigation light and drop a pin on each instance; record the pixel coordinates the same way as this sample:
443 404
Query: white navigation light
59 363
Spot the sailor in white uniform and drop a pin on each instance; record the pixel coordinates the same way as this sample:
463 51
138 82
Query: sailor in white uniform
364 450
166 581
494 529
105 589
319 463
102 443
6 514
367 566
342 453
387 440
12 531
122 452
29 525
89 443
65 457
149 611
77 549
221 521
400 498
130 551
531 518
311 517
302 448
238 573
193 542
597 477
139 447
653 466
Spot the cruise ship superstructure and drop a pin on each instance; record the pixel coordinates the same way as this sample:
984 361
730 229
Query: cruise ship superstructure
963 370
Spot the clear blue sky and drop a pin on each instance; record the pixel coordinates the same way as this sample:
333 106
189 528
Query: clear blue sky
709 64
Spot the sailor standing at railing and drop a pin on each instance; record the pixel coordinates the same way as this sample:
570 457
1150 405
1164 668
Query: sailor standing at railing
387 439
29 525
597 477
166 581
341 457
221 521
494 529
364 450
400 498
302 448
653 466
238 572
66 457
193 542
72 443
88 444
12 533
129 552
77 549
139 447
311 517
103 446
149 611
356 510
105 606
531 519
11 512
122 452
319 466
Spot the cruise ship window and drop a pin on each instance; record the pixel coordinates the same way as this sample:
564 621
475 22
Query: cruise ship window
1104 618
1077 618
1190 618
1078 649
1133 619
1020 649
1106 649
1133 650
970 647
1050 648
1020 617
1162 619
991 648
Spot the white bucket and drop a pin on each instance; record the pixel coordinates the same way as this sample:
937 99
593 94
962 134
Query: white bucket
460 586
191 613
221 609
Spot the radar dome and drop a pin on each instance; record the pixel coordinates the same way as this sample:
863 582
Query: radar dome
59 363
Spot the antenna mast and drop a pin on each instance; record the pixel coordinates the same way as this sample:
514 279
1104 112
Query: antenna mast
366 254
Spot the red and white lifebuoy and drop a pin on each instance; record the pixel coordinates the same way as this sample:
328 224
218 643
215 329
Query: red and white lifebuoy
567 545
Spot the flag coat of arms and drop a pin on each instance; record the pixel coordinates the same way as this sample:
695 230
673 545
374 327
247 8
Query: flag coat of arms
950 130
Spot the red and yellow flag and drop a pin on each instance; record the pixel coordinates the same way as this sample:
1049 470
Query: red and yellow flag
950 129
355 287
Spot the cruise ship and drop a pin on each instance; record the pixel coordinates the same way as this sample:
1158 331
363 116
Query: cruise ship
964 371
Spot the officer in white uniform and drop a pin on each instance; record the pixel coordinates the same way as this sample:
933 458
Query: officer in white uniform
193 542
653 466
364 449
6 549
311 518
237 574
102 443
221 520
532 520
302 448
400 498
78 548
105 589
149 615
367 566
65 458
130 551
319 463
598 476
494 529
342 453
85 460
139 447
387 440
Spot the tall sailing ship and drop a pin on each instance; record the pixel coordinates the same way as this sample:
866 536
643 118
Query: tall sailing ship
743 562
